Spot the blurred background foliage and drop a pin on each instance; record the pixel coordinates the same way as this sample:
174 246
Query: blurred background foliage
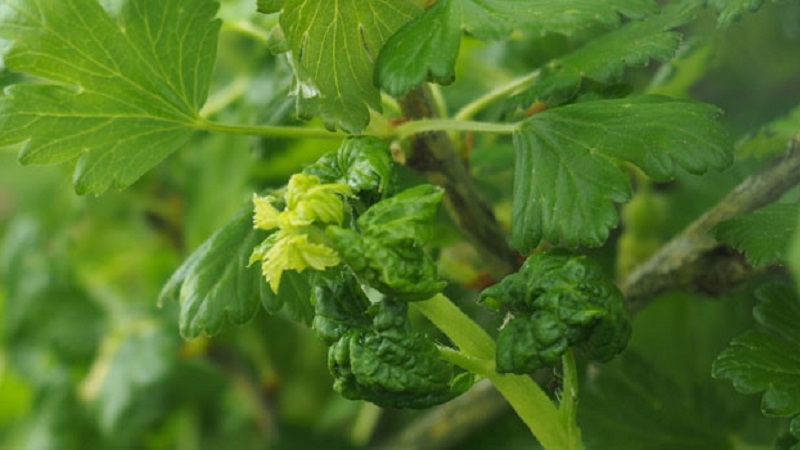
89 360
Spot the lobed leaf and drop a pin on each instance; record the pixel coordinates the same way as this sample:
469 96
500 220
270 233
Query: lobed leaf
772 138
605 58
768 360
216 282
763 236
426 48
118 95
334 44
566 168
731 11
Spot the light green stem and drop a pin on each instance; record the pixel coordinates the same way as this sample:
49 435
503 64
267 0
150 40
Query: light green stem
269 130
425 125
479 104
477 355
569 397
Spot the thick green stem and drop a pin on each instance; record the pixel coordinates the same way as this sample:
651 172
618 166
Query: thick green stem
569 397
477 355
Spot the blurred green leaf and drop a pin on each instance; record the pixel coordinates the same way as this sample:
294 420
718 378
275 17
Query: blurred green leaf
768 359
732 10
763 236
119 94
567 173
773 138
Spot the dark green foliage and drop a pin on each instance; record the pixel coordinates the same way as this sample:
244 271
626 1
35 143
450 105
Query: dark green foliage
341 306
388 251
763 236
216 282
557 300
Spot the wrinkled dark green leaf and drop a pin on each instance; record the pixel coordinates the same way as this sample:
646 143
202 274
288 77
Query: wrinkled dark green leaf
363 163
763 236
215 283
558 300
567 173
341 306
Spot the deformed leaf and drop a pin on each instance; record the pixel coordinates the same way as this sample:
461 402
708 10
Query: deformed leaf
216 281
341 306
768 359
566 167
363 163
334 44
426 48
763 236
557 300
119 94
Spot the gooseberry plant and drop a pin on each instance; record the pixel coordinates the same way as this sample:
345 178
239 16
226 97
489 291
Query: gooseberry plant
352 244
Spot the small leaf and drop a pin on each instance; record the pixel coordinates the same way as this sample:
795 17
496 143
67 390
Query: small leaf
426 48
334 44
216 282
118 94
763 236
768 360
566 162
340 305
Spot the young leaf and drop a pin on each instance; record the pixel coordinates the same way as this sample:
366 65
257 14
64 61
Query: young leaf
426 48
566 172
341 305
605 58
363 163
119 94
216 281
763 236
334 44
768 360
558 300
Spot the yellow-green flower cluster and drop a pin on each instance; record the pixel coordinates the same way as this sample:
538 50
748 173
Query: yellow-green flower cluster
308 200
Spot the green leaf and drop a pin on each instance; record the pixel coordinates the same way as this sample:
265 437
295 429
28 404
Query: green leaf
216 281
129 367
270 6
426 48
118 94
393 370
605 58
558 300
768 359
567 173
772 138
763 236
341 306
363 163
731 11
389 253
334 44
295 294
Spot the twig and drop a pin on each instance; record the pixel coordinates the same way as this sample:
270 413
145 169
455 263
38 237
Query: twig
673 265
434 155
